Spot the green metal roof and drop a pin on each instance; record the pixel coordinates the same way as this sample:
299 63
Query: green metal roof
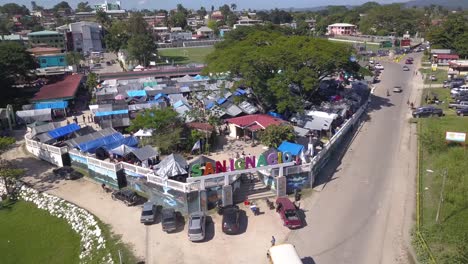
43 33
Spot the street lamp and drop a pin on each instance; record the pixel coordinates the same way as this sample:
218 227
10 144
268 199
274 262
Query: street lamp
441 198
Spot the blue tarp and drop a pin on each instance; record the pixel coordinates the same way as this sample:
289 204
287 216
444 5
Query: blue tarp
221 101
62 131
293 148
273 114
150 84
136 93
129 141
198 77
210 105
159 95
91 146
239 92
178 104
115 112
52 105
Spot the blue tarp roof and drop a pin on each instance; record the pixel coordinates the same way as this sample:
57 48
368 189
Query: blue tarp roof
198 77
159 95
136 93
210 105
91 146
62 131
221 100
115 112
294 148
274 114
129 141
52 105
239 92
178 104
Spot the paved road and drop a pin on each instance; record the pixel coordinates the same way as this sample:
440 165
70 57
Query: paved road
363 211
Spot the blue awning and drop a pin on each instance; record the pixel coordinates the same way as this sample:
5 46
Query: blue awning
136 93
293 148
62 131
221 101
128 141
52 105
210 105
91 146
115 112
159 95
239 92
274 114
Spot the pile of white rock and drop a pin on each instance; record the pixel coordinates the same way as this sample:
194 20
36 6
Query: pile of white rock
82 222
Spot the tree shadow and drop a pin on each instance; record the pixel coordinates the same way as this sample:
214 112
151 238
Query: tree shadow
210 229
38 173
378 103
308 260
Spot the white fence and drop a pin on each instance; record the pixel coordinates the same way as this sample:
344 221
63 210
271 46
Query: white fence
45 152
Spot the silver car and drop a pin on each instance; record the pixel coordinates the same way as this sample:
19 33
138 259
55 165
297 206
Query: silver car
148 213
196 226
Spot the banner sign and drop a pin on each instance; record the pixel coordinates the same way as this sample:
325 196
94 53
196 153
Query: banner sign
455 136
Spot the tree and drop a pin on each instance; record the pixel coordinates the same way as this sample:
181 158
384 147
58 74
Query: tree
12 9
117 36
74 58
137 25
8 173
273 135
83 7
61 6
233 6
91 81
201 12
103 19
451 34
283 71
141 48
178 19
213 25
15 64
212 8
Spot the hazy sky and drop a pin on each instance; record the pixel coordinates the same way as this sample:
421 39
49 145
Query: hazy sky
196 4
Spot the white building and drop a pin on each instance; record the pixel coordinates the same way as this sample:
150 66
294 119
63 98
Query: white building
83 36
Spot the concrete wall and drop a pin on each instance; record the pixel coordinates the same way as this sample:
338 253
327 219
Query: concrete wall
46 152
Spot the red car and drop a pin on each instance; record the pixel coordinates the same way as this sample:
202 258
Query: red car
288 212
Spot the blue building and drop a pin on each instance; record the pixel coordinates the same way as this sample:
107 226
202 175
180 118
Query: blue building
52 60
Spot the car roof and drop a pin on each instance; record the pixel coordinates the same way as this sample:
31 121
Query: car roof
195 222
287 204
148 206
284 253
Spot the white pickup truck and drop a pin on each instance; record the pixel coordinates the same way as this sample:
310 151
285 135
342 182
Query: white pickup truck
455 105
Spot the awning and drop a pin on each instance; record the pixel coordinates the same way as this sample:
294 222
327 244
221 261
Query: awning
145 153
29 116
172 165
293 148
115 112
122 150
91 146
144 133
136 93
159 95
52 105
62 131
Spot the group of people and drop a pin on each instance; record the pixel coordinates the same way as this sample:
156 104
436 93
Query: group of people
88 118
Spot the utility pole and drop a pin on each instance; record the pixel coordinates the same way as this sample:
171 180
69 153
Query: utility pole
441 199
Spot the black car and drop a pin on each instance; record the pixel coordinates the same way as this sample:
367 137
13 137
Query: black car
426 111
128 196
231 220
168 220
462 112
67 172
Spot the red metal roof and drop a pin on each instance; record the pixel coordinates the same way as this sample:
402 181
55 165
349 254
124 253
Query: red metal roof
255 122
65 89
201 126
447 56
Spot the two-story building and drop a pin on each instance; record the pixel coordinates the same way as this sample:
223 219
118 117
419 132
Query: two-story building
49 57
83 36
341 29
47 38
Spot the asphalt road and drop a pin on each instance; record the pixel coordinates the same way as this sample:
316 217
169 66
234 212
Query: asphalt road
367 190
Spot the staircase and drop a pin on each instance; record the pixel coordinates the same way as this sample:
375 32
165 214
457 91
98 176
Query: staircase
253 190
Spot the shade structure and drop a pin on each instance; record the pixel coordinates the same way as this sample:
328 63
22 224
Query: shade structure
172 165
122 150
145 153
144 133
136 93
52 105
292 148
91 146
63 131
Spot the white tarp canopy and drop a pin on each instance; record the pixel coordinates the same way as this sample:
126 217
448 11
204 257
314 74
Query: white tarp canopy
172 165
30 116
122 150
144 133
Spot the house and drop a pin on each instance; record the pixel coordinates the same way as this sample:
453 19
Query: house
49 57
458 68
14 38
341 29
205 32
47 38
247 126
245 21
83 36
175 36
217 15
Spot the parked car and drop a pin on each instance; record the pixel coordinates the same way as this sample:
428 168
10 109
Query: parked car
461 98
433 78
148 213
460 90
231 220
405 68
168 220
462 112
288 212
456 82
410 58
379 67
127 196
458 105
426 111
196 226
408 61
446 84
67 173
397 89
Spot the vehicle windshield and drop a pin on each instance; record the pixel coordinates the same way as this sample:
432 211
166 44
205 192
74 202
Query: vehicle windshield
291 215
148 212
195 231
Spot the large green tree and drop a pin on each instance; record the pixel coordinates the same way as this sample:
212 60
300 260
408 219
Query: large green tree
12 9
15 64
451 34
141 48
283 71
273 135
61 6
137 25
74 58
8 172
91 81
117 36
83 7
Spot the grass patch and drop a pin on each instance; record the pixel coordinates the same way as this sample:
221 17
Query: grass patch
443 95
32 235
447 239
115 246
441 75
185 55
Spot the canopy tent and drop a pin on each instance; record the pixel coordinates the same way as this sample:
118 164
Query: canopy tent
63 131
29 116
293 148
144 133
91 146
198 77
115 112
51 105
122 150
44 127
145 153
89 137
129 141
172 165
136 93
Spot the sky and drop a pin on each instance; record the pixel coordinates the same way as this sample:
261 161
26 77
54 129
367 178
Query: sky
196 4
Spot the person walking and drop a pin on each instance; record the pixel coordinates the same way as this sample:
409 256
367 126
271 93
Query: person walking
273 241
84 119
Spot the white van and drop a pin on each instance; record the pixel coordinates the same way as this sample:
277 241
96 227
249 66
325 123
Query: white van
283 254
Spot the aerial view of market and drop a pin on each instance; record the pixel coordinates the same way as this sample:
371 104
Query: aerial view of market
232 134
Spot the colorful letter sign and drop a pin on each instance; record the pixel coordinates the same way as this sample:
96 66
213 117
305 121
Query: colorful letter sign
241 164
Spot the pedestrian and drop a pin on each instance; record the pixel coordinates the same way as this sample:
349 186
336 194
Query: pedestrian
273 241
68 122
75 119
84 119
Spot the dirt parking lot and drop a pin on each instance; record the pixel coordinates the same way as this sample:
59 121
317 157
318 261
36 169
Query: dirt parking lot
150 243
